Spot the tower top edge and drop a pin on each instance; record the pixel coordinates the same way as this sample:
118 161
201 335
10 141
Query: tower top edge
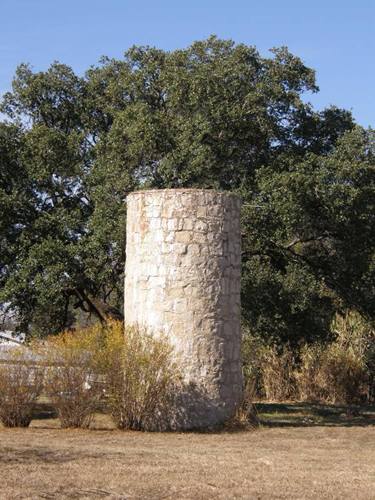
141 192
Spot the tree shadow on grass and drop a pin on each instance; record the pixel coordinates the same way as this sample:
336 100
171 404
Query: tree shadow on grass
288 414
32 456
314 414
44 411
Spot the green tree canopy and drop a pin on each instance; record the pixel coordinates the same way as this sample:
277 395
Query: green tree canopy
214 115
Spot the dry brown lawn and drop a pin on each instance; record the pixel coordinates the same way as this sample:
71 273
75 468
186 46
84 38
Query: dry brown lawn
284 459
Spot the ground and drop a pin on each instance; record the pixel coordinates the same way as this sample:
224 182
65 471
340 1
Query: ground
301 451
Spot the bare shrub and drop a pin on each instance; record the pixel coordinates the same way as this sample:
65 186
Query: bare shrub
141 378
21 384
130 373
72 380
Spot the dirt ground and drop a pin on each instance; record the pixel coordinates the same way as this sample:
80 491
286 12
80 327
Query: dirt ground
298 453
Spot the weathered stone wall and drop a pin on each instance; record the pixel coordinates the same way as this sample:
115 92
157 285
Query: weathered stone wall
183 257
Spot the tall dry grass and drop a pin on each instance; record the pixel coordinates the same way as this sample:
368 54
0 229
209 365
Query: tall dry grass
268 371
340 371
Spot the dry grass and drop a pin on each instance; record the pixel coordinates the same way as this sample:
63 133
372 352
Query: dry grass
302 460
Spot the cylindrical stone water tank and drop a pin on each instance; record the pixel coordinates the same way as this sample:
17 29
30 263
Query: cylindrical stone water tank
182 278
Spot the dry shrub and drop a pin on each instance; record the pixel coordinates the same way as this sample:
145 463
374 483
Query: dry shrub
21 384
332 374
343 375
268 371
141 377
339 372
307 380
246 416
358 335
277 373
252 366
72 380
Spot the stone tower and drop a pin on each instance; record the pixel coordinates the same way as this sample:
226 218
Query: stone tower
183 258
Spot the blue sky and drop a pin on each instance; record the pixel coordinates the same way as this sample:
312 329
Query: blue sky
334 37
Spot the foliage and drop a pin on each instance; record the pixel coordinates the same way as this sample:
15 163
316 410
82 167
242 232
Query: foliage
213 115
44 276
310 242
21 384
